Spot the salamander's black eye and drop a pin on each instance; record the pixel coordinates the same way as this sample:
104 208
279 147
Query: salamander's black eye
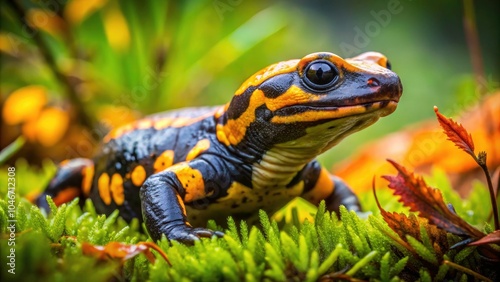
321 75
388 65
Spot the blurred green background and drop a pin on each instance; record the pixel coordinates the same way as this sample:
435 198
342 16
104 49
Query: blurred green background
118 60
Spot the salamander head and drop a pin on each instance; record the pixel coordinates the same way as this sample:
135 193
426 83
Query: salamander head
311 103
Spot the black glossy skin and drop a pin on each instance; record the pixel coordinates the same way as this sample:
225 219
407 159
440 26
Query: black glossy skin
264 167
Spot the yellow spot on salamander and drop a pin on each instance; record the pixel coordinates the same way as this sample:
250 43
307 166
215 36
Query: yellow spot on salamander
138 175
293 96
191 180
221 135
181 203
235 129
322 189
103 186
144 124
264 74
88 176
157 123
166 159
199 148
329 114
119 131
162 123
116 188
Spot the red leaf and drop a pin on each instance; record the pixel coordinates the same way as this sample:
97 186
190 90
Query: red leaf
122 251
492 238
428 202
410 225
456 133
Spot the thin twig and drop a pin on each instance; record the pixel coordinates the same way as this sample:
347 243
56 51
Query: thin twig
51 62
468 271
472 38
14 147
492 193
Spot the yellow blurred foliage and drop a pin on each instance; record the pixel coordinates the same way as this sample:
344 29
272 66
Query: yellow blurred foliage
115 116
48 128
24 104
7 44
116 28
47 21
77 10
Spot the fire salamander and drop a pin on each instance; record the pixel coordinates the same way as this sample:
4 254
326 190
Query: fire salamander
178 169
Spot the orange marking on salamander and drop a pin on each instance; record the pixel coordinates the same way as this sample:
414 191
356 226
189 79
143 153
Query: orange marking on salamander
191 180
66 195
322 189
183 121
88 176
158 123
119 131
116 188
64 162
144 124
103 186
166 159
199 148
162 123
138 175
264 74
181 203
220 111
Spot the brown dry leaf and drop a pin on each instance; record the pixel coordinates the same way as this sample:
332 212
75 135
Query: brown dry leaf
410 225
428 202
122 251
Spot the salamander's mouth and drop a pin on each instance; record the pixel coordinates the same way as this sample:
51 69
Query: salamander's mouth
317 112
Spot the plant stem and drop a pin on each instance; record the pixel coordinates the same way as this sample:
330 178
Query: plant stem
492 194
467 270
472 39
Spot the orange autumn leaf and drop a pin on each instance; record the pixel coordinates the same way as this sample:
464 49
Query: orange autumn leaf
428 202
122 251
456 133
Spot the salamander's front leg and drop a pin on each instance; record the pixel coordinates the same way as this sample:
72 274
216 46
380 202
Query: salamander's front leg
322 185
342 195
163 195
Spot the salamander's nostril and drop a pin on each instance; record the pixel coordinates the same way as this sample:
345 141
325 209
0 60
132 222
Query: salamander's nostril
373 82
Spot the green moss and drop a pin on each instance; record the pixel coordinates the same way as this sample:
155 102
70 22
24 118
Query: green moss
49 248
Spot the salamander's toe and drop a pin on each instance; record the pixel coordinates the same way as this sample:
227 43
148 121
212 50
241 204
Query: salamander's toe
189 235
219 234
